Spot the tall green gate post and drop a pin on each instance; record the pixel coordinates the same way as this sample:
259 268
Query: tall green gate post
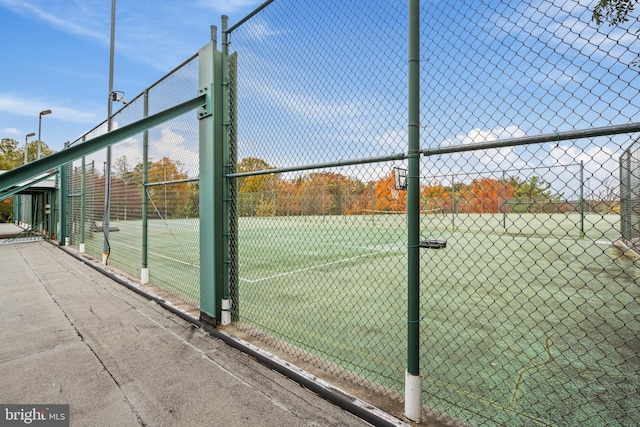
211 176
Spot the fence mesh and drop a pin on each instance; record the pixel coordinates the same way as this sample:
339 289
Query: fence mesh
170 190
530 315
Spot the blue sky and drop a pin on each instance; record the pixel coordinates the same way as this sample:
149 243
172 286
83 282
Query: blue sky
325 81
56 56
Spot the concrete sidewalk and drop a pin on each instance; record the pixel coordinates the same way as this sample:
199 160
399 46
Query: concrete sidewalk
70 335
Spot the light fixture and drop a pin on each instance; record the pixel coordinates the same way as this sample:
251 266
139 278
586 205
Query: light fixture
42 113
26 145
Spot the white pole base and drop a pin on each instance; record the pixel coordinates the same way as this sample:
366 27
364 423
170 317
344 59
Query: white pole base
105 257
225 313
413 397
144 276
81 249
66 241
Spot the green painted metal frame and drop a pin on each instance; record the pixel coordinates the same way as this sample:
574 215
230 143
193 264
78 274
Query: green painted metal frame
17 190
211 177
25 172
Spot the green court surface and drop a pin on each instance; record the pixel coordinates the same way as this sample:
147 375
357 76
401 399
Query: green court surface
526 319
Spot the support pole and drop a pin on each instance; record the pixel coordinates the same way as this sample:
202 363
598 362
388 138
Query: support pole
582 199
504 200
83 200
413 378
144 272
225 318
210 183
106 247
64 201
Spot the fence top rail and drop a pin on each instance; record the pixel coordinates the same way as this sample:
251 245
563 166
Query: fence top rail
22 173
175 181
509 142
249 16
537 139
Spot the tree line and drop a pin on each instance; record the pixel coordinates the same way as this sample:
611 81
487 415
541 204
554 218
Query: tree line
314 193
330 193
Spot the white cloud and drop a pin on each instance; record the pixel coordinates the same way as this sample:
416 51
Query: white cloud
173 146
476 135
9 131
77 20
31 107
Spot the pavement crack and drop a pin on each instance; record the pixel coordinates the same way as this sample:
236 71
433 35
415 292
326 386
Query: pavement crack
134 410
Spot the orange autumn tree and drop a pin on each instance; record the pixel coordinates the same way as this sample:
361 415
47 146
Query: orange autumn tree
387 198
483 195
435 198
325 193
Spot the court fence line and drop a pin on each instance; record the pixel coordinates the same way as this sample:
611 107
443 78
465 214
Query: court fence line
269 200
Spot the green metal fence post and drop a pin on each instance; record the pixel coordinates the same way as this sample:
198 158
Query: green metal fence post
16 209
232 132
504 200
210 183
413 379
144 272
83 199
64 194
225 315
582 199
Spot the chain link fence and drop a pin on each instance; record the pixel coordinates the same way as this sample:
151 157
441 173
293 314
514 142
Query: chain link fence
530 314
153 200
529 311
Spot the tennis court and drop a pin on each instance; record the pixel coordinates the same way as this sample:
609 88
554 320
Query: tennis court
534 322
523 322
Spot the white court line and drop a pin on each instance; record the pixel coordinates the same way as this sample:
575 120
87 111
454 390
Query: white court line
161 256
603 242
311 268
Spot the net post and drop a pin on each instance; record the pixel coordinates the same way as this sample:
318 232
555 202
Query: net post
413 378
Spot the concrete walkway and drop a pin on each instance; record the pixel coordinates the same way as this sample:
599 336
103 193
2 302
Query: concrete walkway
73 336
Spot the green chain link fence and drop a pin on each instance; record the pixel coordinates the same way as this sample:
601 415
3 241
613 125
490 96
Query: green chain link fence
528 285
530 314
154 216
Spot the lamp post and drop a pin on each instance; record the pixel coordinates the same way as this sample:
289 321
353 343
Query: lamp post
106 247
26 145
42 113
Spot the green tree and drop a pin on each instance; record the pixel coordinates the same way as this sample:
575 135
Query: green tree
12 156
615 12
256 183
533 195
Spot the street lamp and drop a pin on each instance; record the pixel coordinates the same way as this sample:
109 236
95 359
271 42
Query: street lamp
26 145
42 113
